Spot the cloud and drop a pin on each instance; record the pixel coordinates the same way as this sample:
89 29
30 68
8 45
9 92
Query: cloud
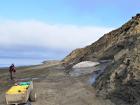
55 36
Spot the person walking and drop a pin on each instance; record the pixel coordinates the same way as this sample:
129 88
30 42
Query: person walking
12 70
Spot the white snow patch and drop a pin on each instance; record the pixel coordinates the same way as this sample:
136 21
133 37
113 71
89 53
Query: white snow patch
85 64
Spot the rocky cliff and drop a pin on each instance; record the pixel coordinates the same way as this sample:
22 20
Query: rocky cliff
121 79
108 45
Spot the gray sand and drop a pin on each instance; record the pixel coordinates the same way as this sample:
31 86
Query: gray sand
54 87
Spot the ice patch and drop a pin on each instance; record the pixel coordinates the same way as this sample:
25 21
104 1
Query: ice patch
85 64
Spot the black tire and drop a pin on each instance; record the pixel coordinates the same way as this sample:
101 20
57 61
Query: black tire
32 96
28 103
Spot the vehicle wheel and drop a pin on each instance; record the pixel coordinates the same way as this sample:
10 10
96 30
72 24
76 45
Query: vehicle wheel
28 103
32 96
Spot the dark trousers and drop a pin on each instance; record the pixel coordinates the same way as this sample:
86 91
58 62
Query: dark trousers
11 75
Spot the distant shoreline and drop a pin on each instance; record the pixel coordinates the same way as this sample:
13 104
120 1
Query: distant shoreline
6 62
48 62
20 66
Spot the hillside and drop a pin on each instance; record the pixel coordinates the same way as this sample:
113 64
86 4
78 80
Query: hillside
121 79
108 45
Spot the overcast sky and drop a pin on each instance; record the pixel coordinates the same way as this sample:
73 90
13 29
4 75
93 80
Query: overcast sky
53 28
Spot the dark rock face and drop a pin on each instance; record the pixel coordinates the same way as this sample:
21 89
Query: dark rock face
121 79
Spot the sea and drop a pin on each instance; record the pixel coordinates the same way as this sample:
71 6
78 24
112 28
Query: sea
6 62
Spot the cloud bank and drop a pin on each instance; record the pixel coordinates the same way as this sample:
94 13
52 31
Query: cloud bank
36 33
39 35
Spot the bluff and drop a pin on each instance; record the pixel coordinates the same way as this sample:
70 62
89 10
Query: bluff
121 79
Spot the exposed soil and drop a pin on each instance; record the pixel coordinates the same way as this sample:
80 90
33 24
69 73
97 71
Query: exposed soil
54 87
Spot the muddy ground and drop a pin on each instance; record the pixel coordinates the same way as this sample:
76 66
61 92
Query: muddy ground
54 87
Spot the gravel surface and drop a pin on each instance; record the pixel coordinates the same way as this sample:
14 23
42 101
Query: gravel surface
55 87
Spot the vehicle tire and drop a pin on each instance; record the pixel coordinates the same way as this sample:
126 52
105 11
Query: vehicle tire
28 103
32 96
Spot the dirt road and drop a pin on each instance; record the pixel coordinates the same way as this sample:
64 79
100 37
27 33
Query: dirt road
55 87
60 89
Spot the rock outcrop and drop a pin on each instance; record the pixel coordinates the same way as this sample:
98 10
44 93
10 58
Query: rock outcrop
108 45
121 79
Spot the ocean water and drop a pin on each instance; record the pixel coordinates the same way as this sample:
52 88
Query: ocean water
6 62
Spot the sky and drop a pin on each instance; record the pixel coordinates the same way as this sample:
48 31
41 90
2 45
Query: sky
51 29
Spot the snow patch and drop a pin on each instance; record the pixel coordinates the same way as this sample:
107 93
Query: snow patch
85 64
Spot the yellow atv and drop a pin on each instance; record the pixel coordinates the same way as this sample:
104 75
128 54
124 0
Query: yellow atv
21 93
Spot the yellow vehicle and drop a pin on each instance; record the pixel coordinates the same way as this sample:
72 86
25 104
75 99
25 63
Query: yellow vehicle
21 93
